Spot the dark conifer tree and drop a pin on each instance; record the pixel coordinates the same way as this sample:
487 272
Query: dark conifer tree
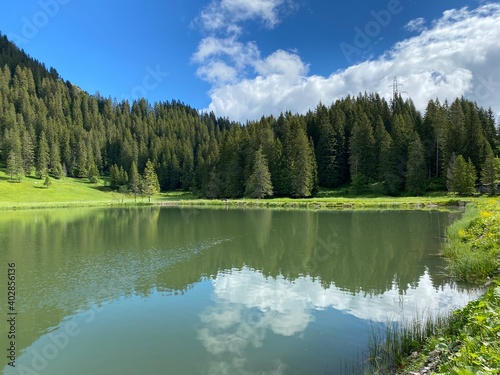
259 183
42 160
416 177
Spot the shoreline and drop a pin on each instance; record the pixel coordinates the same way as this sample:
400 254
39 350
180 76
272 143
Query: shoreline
409 203
455 344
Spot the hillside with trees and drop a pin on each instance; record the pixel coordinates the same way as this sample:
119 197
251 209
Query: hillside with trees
49 126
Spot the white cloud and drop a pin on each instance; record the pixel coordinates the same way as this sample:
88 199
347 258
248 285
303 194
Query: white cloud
418 24
281 63
223 60
457 55
222 57
221 14
217 72
239 53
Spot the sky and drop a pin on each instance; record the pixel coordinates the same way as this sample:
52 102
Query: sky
243 59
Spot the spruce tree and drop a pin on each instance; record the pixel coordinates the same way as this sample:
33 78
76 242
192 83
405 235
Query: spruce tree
58 171
388 166
326 155
82 161
488 172
42 160
15 166
362 149
93 173
114 172
28 153
259 183
416 171
280 173
463 176
134 180
449 172
302 163
119 176
47 182
151 185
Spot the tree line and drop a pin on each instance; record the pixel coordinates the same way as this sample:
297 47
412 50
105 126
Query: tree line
49 126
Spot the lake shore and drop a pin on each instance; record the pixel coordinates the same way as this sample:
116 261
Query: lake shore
466 341
30 193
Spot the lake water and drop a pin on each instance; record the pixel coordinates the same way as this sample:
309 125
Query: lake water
214 291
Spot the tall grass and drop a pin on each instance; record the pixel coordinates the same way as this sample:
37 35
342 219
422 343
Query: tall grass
472 245
390 346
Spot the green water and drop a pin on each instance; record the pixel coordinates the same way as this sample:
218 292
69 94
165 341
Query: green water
213 291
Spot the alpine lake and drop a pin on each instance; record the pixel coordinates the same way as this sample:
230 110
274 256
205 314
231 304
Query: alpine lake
169 290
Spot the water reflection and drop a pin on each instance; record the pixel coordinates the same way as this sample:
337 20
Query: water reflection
285 284
249 306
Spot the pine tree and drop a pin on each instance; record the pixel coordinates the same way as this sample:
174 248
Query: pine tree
134 180
326 155
47 181
93 173
15 166
449 172
302 163
463 177
454 135
119 176
55 157
213 186
416 171
58 171
387 165
81 162
362 149
488 172
280 173
259 183
401 135
434 126
42 159
28 153
471 176
151 185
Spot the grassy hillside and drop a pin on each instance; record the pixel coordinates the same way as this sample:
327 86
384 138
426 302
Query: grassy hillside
31 192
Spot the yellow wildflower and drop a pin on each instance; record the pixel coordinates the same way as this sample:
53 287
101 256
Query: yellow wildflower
485 214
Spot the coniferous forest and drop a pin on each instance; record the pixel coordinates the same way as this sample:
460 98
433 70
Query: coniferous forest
49 126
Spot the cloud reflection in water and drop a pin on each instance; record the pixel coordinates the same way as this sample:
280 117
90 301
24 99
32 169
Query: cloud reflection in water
249 306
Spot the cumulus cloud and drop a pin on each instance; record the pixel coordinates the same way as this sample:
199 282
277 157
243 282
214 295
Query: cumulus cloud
222 57
224 60
457 55
224 14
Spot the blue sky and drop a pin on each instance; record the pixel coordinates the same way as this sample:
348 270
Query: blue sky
247 58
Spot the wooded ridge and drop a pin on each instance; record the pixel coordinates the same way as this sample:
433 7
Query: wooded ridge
49 126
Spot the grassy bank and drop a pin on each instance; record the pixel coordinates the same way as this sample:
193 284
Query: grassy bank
473 246
468 340
72 192
324 202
